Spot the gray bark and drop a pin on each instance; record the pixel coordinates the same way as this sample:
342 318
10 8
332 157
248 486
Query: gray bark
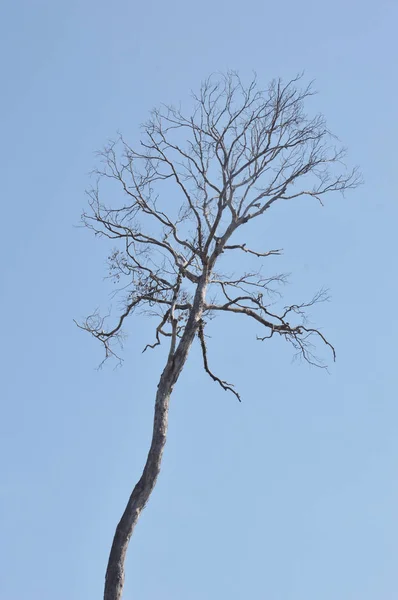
114 579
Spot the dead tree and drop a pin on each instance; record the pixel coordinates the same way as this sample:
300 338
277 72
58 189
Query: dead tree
193 183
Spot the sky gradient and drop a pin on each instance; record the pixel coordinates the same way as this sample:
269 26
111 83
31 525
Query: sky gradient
290 495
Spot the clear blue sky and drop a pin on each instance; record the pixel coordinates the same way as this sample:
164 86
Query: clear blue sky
291 495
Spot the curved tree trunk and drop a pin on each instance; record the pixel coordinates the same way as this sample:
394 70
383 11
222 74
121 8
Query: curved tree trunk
114 579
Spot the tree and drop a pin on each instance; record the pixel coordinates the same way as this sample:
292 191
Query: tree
193 183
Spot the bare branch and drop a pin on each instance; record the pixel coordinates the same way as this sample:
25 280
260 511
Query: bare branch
159 332
224 384
298 335
259 254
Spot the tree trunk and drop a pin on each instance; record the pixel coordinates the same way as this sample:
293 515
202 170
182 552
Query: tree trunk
114 579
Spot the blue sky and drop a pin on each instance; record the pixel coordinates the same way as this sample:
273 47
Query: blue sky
291 495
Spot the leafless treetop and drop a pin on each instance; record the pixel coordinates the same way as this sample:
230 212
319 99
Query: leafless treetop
190 185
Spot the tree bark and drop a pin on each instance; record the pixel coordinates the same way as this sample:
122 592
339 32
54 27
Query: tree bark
114 579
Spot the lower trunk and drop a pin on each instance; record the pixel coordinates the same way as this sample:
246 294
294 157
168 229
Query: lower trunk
114 579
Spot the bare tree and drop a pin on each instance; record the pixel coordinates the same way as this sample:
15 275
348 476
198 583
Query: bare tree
191 185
